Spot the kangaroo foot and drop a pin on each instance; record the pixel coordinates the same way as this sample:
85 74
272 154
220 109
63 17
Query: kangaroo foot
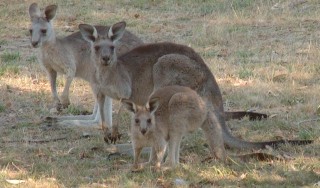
136 168
64 105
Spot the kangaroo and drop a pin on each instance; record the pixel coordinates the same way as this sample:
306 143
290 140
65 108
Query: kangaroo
171 113
71 56
137 73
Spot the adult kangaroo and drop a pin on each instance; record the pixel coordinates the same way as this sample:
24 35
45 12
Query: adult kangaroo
71 56
136 74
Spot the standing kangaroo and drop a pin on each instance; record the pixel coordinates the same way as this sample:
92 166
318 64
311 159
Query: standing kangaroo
71 56
172 112
136 74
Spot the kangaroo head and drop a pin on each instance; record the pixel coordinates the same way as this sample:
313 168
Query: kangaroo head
41 27
143 117
103 46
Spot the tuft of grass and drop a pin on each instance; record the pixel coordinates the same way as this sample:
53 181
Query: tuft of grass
245 73
306 135
32 59
9 57
74 110
9 63
3 42
2 107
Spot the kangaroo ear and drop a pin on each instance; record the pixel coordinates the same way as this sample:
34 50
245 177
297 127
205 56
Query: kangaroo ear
88 32
50 12
129 105
153 104
116 31
34 11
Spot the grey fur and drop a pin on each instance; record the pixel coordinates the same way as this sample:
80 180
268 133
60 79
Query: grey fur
70 56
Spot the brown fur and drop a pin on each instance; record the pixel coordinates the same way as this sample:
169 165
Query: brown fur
148 67
172 112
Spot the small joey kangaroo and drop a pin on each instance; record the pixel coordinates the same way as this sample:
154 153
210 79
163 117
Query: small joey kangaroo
171 113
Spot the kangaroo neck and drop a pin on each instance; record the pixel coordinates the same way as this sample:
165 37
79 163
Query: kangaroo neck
115 81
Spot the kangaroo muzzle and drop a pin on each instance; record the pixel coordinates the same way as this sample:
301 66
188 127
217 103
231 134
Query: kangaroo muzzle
143 131
106 61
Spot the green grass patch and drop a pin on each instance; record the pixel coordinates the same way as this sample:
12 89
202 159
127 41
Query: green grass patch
307 134
32 59
2 107
3 42
74 110
9 63
245 73
9 57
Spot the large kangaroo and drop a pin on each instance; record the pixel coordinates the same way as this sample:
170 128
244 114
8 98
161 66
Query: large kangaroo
71 56
137 73
171 113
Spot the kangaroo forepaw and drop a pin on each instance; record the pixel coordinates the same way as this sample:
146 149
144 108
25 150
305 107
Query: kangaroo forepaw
61 105
112 137
65 105
49 121
58 106
137 168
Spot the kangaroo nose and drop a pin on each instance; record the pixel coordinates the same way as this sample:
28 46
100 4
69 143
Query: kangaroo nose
105 59
143 131
35 43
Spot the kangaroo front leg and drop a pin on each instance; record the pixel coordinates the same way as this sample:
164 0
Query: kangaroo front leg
213 133
52 74
173 154
65 101
115 135
103 123
160 149
136 166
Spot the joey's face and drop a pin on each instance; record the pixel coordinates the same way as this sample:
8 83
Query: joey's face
104 51
143 121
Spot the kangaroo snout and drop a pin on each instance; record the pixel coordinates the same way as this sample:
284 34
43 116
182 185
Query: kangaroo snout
105 60
143 131
35 44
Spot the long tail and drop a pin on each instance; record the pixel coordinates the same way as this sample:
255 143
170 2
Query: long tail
234 142
241 114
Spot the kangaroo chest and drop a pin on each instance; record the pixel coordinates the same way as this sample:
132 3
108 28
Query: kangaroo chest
57 59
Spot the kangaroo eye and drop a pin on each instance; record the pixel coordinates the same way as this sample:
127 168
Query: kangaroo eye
112 48
149 120
43 31
137 120
30 30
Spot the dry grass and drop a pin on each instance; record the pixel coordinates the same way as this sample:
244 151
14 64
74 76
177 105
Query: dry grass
265 58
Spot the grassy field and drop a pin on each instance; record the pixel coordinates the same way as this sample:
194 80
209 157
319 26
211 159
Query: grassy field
264 54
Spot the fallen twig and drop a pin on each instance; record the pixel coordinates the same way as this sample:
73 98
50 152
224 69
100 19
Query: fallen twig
308 120
34 141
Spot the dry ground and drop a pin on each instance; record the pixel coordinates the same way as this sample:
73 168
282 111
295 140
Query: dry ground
264 54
